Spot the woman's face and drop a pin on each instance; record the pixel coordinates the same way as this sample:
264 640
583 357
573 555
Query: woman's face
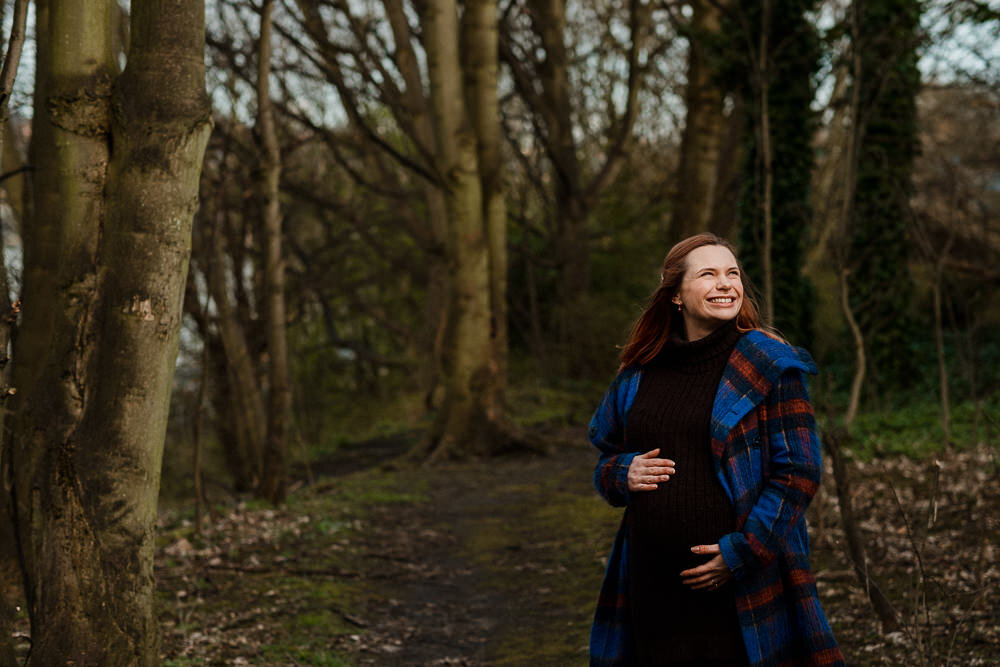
711 292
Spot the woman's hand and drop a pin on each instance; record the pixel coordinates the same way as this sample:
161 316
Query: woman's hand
708 575
647 471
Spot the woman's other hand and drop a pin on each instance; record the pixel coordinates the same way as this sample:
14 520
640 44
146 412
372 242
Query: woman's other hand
708 575
647 471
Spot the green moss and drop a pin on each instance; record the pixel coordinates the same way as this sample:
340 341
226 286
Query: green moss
915 430
329 621
561 402
380 487
285 653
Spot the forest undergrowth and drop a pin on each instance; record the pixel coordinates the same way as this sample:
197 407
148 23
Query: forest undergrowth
499 562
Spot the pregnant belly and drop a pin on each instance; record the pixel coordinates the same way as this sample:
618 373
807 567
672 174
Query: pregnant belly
672 520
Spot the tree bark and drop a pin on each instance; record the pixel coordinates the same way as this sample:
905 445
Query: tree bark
274 478
466 420
88 433
704 127
69 149
480 46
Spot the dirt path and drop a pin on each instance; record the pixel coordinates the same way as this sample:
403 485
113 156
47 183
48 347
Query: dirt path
485 578
499 563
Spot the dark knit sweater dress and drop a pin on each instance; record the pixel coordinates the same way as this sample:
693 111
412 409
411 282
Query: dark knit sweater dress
672 410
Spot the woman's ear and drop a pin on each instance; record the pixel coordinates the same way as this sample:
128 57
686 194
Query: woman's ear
676 299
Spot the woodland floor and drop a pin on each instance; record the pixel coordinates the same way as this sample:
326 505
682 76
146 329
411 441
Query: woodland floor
499 563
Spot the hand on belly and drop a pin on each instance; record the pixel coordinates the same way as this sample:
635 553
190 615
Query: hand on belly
646 471
709 575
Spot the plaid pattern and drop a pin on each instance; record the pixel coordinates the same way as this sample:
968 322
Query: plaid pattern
767 456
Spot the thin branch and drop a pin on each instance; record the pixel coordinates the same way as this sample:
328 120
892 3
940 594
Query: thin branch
13 56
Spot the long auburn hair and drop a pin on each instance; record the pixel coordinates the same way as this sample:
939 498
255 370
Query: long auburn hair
652 330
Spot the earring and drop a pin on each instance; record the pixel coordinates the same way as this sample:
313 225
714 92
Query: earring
680 307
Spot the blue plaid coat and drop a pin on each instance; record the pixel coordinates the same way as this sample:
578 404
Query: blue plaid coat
766 453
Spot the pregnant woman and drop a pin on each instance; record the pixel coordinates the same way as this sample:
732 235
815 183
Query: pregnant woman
707 437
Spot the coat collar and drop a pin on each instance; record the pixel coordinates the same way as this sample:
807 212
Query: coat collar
754 366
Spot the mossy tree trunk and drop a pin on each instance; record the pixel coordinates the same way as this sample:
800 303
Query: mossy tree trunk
775 75
468 416
480 44
887 42
106 263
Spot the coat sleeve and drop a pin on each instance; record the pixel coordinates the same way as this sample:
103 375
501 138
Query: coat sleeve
607 433
794 467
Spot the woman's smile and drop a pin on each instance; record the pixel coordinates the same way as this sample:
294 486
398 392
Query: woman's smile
711 292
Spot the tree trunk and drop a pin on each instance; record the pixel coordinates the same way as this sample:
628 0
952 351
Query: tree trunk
725 220
199 438
835 441
432 367
571 245
704 127
88 435
229 428
244 392
70 153
274 478
851 140
480 46
827 180
464 424
838 438
572 256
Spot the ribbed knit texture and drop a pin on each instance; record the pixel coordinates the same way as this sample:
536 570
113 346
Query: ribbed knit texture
672 411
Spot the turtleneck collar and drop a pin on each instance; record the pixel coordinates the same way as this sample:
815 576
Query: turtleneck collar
699 355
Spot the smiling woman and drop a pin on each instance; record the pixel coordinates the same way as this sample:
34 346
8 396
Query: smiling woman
707 437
